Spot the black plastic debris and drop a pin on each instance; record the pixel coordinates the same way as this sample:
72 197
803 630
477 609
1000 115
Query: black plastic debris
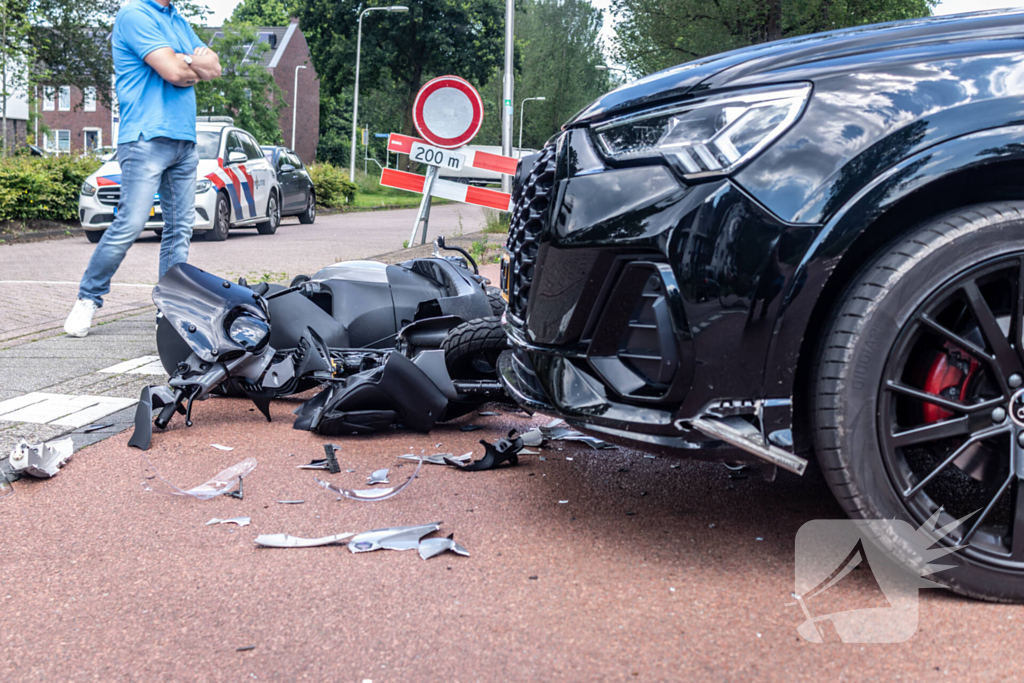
245 648
332 461
470 428
97 427
502 450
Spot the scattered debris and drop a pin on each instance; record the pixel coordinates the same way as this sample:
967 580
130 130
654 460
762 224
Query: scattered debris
470 428
41 460
759 539
711 526
97 427
370 494
562 502
527 451
650 457
332 461
439 458
488 413
222 484
568 458
630 513
500 451
290 502
222 448
429 547
533 438
245 648
289 541
240 521
396 538
542 458
675 465
320 464
6 487
378 477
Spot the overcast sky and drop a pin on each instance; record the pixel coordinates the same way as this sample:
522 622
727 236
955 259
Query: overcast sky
222 9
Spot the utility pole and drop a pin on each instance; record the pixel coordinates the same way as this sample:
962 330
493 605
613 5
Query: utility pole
506 109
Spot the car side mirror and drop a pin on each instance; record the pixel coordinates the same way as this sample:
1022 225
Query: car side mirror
237 157
287 168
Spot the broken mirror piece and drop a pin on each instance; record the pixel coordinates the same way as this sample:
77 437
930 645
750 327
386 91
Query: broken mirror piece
502 450
378 477
435 546
228 481
41 460
396 538
221 448
369 494
289 541
240 521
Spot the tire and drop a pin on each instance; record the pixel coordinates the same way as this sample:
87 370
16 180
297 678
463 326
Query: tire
298 280
269 227
934 294
221 220
309 215
471 349
94 236
496 301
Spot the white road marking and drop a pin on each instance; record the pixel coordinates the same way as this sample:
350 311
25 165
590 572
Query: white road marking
61 410
61 282
143 365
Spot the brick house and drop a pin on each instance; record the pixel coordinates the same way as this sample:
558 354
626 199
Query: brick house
79 121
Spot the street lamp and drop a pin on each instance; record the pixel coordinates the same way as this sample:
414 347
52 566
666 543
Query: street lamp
522 107
602 67
355 98
295 102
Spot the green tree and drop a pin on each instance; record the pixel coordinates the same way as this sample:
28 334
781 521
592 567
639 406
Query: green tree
245 91
656 34
403 51
71 43
16 54
265 12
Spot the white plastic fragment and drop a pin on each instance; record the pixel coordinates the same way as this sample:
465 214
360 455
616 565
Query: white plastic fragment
41 460
429 547
439 458
369 494
289 541
222 448
240 521
395 538
562 502
290 502
378 477
225 481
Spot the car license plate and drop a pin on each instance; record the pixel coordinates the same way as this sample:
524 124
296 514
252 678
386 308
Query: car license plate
435 156
506 275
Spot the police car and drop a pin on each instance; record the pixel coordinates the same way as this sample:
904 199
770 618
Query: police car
236 187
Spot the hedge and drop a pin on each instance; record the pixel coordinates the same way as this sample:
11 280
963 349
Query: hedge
42 187
332 189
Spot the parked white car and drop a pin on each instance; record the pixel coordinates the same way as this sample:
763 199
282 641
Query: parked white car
236 187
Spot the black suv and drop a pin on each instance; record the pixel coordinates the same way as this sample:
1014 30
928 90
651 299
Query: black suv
809 247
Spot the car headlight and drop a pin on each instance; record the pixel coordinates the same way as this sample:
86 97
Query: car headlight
203 185
248 332
709 137
87 190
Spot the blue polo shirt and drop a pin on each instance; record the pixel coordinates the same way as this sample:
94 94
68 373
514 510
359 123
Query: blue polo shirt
150 106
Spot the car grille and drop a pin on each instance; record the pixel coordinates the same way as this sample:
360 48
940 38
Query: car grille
530 201
109 195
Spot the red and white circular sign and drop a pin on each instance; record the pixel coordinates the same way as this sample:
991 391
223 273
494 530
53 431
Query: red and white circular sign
448 112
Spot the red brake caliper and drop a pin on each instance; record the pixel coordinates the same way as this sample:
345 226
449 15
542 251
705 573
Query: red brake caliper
948 377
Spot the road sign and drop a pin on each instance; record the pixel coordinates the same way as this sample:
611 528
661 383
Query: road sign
485 161
448 112
435 156
366 136
447 189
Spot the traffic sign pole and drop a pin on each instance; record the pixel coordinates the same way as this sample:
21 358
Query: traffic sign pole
423 215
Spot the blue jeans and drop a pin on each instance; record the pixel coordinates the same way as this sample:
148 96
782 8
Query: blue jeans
147 166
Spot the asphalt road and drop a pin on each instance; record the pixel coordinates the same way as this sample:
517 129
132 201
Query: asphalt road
585 565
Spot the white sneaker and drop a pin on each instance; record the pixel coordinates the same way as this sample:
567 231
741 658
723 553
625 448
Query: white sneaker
80 319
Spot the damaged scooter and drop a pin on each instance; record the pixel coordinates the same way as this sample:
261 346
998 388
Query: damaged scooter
411 344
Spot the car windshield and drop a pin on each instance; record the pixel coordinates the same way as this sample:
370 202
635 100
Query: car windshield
208 143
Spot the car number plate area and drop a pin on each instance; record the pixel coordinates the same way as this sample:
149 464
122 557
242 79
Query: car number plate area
435 156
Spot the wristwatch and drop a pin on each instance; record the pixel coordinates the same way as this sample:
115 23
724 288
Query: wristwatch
187 59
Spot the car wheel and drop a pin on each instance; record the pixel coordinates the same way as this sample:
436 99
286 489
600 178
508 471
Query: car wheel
471 349
269 227
496 301
309 215
94 236
918 398
221 220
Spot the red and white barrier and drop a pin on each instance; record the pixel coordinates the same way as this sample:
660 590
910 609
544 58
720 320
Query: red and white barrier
447 189
485 161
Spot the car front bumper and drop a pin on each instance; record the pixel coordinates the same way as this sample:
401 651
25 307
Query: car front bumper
97 212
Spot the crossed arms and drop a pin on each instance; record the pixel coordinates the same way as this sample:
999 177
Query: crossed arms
172 67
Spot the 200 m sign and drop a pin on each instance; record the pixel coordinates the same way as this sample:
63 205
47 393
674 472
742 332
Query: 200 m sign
435 156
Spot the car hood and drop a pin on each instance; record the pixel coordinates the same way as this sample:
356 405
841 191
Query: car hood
799 59
110 172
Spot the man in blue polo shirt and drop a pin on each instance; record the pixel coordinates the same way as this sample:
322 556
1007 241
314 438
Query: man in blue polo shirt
158 59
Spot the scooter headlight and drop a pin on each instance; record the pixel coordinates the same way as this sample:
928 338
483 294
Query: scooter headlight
248 332
710 137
